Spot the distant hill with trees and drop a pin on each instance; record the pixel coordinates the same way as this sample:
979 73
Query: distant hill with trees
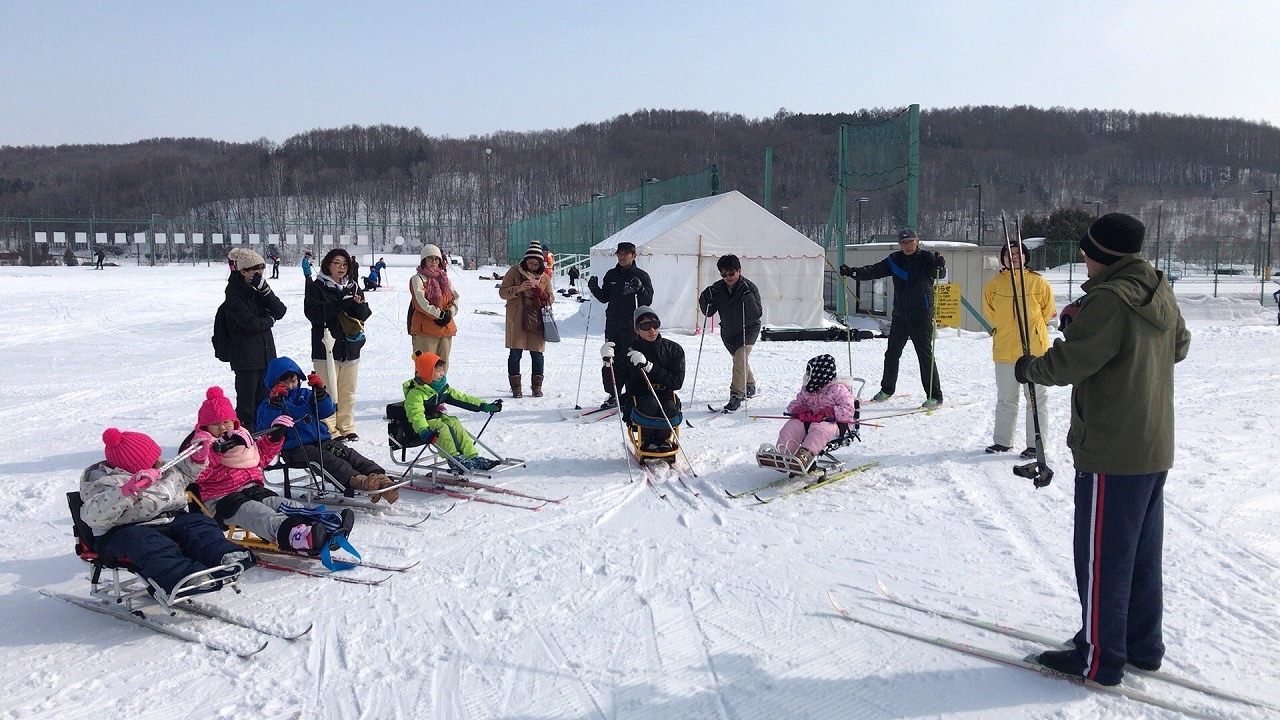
1200 171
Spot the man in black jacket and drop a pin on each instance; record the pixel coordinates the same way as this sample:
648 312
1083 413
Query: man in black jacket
625 288
737 300
914 271
251 310
663 362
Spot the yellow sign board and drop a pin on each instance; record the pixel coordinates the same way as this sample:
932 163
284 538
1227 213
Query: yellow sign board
946 297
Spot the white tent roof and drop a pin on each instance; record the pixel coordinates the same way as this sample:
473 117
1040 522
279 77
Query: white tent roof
678 246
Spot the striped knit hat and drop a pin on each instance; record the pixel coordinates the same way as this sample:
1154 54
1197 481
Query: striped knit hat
534 251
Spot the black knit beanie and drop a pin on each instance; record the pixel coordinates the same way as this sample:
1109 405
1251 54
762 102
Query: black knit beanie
1113 236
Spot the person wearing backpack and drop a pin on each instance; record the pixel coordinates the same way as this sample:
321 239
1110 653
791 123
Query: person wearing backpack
250 310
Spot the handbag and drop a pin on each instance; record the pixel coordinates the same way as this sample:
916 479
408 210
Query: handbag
550 332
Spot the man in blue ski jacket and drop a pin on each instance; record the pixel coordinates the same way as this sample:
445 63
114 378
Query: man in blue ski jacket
914 272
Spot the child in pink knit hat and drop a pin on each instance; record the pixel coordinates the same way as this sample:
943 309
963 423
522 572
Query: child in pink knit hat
138 513
233 488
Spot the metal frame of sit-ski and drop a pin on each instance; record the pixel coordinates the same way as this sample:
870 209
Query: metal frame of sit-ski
824 463
125 591
401 440
321 488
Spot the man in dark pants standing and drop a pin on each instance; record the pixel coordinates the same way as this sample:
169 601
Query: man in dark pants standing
1118 354
914 271
251 310
625 288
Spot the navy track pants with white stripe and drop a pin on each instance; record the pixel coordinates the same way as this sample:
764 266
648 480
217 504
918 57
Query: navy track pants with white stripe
1119 537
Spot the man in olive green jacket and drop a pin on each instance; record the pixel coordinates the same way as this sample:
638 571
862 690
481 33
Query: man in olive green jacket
1118 350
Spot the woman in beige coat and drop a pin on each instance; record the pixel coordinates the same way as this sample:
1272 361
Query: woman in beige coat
527 289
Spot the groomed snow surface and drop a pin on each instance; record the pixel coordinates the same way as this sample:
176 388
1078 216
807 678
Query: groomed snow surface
618 604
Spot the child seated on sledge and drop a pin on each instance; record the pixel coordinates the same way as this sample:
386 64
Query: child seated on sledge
425 397
651 360
233 488
819 405
139 514
302 445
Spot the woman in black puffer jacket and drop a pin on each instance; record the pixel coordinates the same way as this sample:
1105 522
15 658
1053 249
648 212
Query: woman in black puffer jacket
334 302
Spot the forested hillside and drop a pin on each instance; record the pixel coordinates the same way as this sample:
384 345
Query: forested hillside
1202 171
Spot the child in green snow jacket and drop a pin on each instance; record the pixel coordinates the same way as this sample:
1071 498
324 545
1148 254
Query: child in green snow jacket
424 399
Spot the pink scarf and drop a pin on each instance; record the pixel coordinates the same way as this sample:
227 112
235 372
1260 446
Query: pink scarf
435 285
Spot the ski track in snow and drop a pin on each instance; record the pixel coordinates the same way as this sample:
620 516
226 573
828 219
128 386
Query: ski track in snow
616 603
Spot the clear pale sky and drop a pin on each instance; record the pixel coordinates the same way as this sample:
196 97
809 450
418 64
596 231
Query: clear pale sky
115 72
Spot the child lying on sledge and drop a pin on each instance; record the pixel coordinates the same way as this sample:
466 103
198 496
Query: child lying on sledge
288 396
139 514
819 405
233 488
425 397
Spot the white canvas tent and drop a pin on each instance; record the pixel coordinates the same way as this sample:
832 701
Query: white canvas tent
678 246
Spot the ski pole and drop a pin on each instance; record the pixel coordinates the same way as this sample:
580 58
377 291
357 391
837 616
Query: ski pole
663 410
582 363
1038 472
617 400
693 392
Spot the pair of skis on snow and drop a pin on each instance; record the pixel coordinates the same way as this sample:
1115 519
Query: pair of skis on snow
246 633
1029 662
473 491
793 484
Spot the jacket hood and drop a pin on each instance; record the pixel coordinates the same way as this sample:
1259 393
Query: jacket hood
280 366
1136 282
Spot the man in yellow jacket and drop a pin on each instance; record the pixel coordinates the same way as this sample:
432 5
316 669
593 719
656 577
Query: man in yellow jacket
1006 345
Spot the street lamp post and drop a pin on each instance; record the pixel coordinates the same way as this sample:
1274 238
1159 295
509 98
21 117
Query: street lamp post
978 186
1271 219
860 201
488 202
591 232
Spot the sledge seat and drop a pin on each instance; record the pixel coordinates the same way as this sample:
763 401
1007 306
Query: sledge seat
431 461
638 422
125 590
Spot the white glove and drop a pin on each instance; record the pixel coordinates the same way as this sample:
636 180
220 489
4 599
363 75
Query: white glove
606 352
638 359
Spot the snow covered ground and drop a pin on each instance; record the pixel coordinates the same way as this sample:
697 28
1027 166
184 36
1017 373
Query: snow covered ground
618 604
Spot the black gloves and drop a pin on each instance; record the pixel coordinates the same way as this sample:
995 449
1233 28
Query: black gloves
634 285
445 317
1020 369
1068 314
259 283
594 283
222 445
846 271
939 263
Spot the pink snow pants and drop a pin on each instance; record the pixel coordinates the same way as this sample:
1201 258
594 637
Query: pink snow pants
792 436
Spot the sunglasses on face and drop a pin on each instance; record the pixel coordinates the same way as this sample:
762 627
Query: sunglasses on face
648 325
728 273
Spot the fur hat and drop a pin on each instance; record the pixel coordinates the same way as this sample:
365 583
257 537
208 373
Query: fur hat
430 250
819 372
424 365
130 451
534 251
642 312
216 408
1113 236
245 258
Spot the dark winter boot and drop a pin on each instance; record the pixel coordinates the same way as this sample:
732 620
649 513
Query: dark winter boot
536 384
734 404
515 386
